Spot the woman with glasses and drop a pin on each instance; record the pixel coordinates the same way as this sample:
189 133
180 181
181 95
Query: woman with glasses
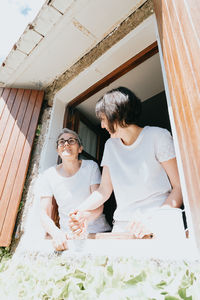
70 183
138 163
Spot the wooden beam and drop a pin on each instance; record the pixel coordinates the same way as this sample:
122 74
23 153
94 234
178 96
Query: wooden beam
117 73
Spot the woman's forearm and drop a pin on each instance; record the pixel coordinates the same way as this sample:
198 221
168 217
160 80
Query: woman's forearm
48 224
94 214
101 195
96 199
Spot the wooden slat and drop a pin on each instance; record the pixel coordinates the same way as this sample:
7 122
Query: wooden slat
1 91
8 130
25 112
186 32
6 112
193 13
3 100
178 26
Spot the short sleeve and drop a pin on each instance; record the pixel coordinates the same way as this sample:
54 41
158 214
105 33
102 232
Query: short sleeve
164 147
105 159
95 174
43 187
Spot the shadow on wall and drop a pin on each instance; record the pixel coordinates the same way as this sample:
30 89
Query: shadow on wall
155 112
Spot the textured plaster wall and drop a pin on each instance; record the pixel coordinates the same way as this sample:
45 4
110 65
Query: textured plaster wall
115 36
33 172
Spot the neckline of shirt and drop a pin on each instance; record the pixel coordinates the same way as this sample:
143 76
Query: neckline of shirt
136 142
69 177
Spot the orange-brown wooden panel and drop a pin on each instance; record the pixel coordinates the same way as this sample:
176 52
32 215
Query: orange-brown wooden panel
179 34
12 150
187 102
21 123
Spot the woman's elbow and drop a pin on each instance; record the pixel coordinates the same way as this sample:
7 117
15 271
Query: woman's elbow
101 209
179 197
105 192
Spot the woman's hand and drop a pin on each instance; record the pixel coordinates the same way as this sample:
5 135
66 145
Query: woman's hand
139 229
139 226
59 240
78 221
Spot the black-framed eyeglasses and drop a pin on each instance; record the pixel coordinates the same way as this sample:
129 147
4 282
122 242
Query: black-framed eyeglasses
70 141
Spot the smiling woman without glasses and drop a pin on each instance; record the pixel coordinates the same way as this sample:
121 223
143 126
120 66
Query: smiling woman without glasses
139 164
70 182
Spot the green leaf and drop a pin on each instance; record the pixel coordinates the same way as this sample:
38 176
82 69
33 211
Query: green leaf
185 263
171 298
161 284
45 297
169 273
182 294
64 278
139 278
164 293
79 274
81 286
65 291
192 278
110 270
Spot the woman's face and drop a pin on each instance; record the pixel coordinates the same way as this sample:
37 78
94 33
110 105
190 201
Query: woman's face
117 128
68 146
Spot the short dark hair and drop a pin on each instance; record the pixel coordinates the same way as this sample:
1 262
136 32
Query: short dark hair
120 106
67 130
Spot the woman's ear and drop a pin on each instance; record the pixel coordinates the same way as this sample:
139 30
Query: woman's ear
58 152
80 149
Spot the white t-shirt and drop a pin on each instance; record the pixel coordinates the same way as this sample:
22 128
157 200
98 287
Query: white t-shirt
139 180
70 192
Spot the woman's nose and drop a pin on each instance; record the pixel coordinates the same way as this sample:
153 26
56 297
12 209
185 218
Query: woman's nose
66 144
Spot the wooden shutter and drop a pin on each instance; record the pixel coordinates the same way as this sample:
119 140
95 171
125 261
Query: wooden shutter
19 113
179 31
